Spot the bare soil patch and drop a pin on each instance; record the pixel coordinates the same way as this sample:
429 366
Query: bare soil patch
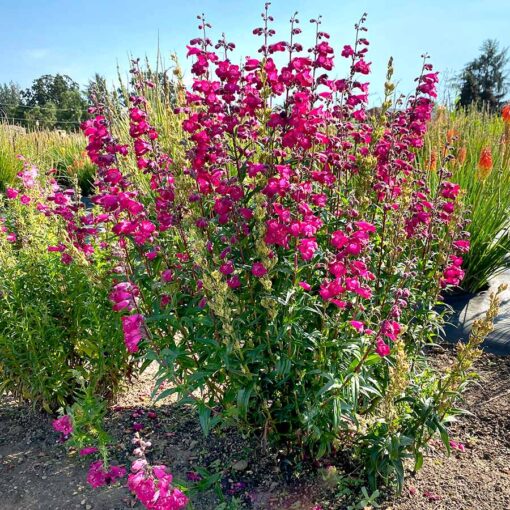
36 472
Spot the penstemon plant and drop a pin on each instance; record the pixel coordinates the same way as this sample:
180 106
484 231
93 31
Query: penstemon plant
283 264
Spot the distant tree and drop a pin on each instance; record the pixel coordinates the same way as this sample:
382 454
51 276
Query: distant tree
59 98
97 90
38 118
10 99
484 80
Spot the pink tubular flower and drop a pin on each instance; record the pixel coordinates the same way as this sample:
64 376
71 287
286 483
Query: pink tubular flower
452 274
381 348
227 268
450 190
89 450
339 239
63 425
132 326
347 51
307 248
167 275
362 67
390 329
98 476
59 248
152 487
457 446
306 286
358 326
258 269
462 245
365 226
11 193
234 282
28 175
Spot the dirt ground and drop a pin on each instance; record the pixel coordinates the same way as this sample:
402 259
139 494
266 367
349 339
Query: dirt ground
36 472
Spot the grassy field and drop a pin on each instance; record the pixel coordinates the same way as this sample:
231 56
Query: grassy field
47 149
474 147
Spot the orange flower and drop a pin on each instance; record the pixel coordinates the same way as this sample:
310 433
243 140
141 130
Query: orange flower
432 165
505 113
461 155
485 163
451 134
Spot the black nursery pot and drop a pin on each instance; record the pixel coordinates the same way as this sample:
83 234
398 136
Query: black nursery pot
465 311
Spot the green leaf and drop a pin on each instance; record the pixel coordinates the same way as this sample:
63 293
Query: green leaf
243 399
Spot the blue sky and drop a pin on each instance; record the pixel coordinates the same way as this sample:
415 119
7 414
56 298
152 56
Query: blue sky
79 38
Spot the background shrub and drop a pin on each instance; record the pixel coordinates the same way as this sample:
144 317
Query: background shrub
58 334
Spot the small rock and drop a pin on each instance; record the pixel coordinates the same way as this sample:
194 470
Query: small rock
240 465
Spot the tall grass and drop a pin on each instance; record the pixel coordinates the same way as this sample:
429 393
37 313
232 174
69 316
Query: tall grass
456 139
48 149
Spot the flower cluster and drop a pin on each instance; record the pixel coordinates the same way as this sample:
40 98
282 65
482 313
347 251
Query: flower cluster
63 425
98 475
152 485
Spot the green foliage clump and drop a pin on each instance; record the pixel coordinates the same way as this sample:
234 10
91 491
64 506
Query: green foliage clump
58 334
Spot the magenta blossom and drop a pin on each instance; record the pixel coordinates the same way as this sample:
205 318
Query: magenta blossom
11 193
358 326
89 450
457 446
63 425
98 476
381 348
307 248
133 327
258 269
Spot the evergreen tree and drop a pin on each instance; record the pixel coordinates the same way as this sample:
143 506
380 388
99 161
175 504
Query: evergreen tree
484 80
